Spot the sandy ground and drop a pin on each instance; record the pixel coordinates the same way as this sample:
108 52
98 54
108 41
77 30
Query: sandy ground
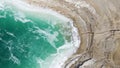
98 22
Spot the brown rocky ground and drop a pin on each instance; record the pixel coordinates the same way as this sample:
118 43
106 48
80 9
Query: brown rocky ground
98 22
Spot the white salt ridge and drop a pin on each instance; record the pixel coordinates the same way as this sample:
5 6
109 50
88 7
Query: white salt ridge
63 52
82 4
88 64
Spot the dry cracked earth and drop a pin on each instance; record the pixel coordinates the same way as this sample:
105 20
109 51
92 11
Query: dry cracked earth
98 23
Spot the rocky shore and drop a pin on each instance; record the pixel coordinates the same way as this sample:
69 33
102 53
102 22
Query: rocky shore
98 22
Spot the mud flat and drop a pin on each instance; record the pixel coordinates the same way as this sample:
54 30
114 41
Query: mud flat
98 23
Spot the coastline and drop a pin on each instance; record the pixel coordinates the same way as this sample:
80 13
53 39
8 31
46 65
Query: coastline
98 26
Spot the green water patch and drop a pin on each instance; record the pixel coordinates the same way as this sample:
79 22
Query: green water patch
26 37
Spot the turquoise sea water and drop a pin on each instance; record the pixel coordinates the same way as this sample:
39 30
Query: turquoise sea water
28 36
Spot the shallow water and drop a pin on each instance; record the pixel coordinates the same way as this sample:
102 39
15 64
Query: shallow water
28 39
